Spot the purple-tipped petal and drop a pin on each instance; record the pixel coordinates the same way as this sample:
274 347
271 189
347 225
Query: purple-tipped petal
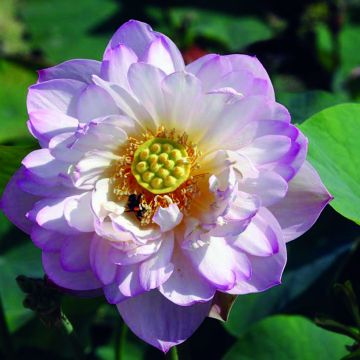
243 73
138 36
218 262
266 271
57 95
116 63
78 69
80 281
16 203
159 322
303 203
259 238
159 55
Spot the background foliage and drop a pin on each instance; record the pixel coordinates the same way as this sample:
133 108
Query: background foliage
311 50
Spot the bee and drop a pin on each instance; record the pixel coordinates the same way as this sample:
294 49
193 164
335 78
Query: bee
134 205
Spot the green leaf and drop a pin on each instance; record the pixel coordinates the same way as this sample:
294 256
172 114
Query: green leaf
66 29
10 160
349 36
288 337
304 104
251 308
26 260
14 81
335 152
233 32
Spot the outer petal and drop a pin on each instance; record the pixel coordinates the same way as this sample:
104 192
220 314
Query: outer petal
43 165
74 281
94 102
138 36
78 69
45 124
237 66
303 203
218 263
185 286
159 322
101 264
16 203
47 240
49 214
75 253
259 238
126 284
266 271
58 95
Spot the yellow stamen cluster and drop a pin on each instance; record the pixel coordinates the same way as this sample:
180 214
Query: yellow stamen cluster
157 166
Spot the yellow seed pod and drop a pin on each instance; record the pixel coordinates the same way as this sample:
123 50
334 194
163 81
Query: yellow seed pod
161 165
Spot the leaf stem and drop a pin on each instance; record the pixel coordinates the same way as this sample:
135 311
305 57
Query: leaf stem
70 333
174 355
5 338
120 341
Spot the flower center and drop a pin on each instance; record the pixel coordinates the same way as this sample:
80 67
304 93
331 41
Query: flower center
161 165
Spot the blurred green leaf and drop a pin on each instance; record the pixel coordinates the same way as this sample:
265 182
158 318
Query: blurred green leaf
251 308
233 32
288 337
335 152
349 57
24 259
325 46
349 37
10 160
69 31
11 30
304 104
14 81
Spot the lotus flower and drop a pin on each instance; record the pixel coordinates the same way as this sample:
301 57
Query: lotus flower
165 186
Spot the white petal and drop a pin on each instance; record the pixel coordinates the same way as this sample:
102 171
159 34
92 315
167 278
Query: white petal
157 269
168 218
78 212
